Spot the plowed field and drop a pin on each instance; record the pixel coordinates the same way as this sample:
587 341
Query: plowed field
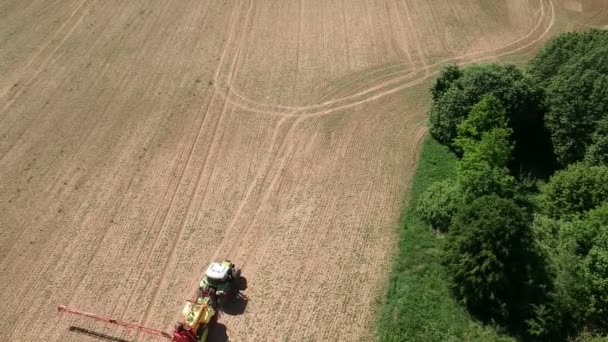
141 139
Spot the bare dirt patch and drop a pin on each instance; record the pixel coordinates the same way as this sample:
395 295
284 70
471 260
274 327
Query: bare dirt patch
139 140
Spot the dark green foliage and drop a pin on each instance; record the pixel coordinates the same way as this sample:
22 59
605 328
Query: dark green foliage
505 82
564 49
447 112
418 305
578 254
548 282
492 256
576 189
447 76
439 204
584 231
590 239
575 100
597 152
521 99
595 274
573 70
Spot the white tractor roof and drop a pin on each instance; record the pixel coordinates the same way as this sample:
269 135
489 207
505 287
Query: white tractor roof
217 271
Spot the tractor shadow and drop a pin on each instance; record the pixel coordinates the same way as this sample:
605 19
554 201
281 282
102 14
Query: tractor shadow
97 335
238 304
218 333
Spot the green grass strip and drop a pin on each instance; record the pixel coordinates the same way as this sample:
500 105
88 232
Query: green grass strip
418 305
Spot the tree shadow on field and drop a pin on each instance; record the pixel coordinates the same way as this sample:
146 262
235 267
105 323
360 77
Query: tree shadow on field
97 335
218 333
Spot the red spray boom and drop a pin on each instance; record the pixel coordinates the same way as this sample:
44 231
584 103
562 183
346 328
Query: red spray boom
150 331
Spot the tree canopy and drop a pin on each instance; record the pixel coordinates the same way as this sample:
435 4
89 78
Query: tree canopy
509 126
492 256
456 91
573 191
486 115
573 70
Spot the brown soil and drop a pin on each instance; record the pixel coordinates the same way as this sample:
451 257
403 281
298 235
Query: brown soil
139 140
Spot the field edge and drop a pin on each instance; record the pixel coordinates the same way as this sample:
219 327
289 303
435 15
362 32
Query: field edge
417 304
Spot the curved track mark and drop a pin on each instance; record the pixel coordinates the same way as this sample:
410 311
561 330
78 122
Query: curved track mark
318 109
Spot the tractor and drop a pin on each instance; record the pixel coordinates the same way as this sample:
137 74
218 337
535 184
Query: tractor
221 282
198 316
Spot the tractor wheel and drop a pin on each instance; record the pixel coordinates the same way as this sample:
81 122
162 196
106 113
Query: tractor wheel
236 274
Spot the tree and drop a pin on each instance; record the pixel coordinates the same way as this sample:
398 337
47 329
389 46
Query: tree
573 191
595 274
458 90
564 49
493 259
583 232
485 116
447 76
576 101
454 97
439 204
590 247
597 153
573 72
482 169
578 254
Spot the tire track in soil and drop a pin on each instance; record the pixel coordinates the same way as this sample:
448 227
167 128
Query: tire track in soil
71 242
122 157
287 144
412 33
269 188
262 173
287 157
293 110
405 35
318 109
344 24
286 148
284 161
45 61
259 179
181 230
122 83
78 151
420 80
19 75
237 63
174 171
38 115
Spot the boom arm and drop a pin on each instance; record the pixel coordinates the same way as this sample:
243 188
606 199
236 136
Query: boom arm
129 325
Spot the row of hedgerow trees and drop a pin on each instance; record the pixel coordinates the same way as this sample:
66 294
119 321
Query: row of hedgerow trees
527 216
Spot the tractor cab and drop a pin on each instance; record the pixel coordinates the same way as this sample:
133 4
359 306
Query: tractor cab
219 282
218 276
218 272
